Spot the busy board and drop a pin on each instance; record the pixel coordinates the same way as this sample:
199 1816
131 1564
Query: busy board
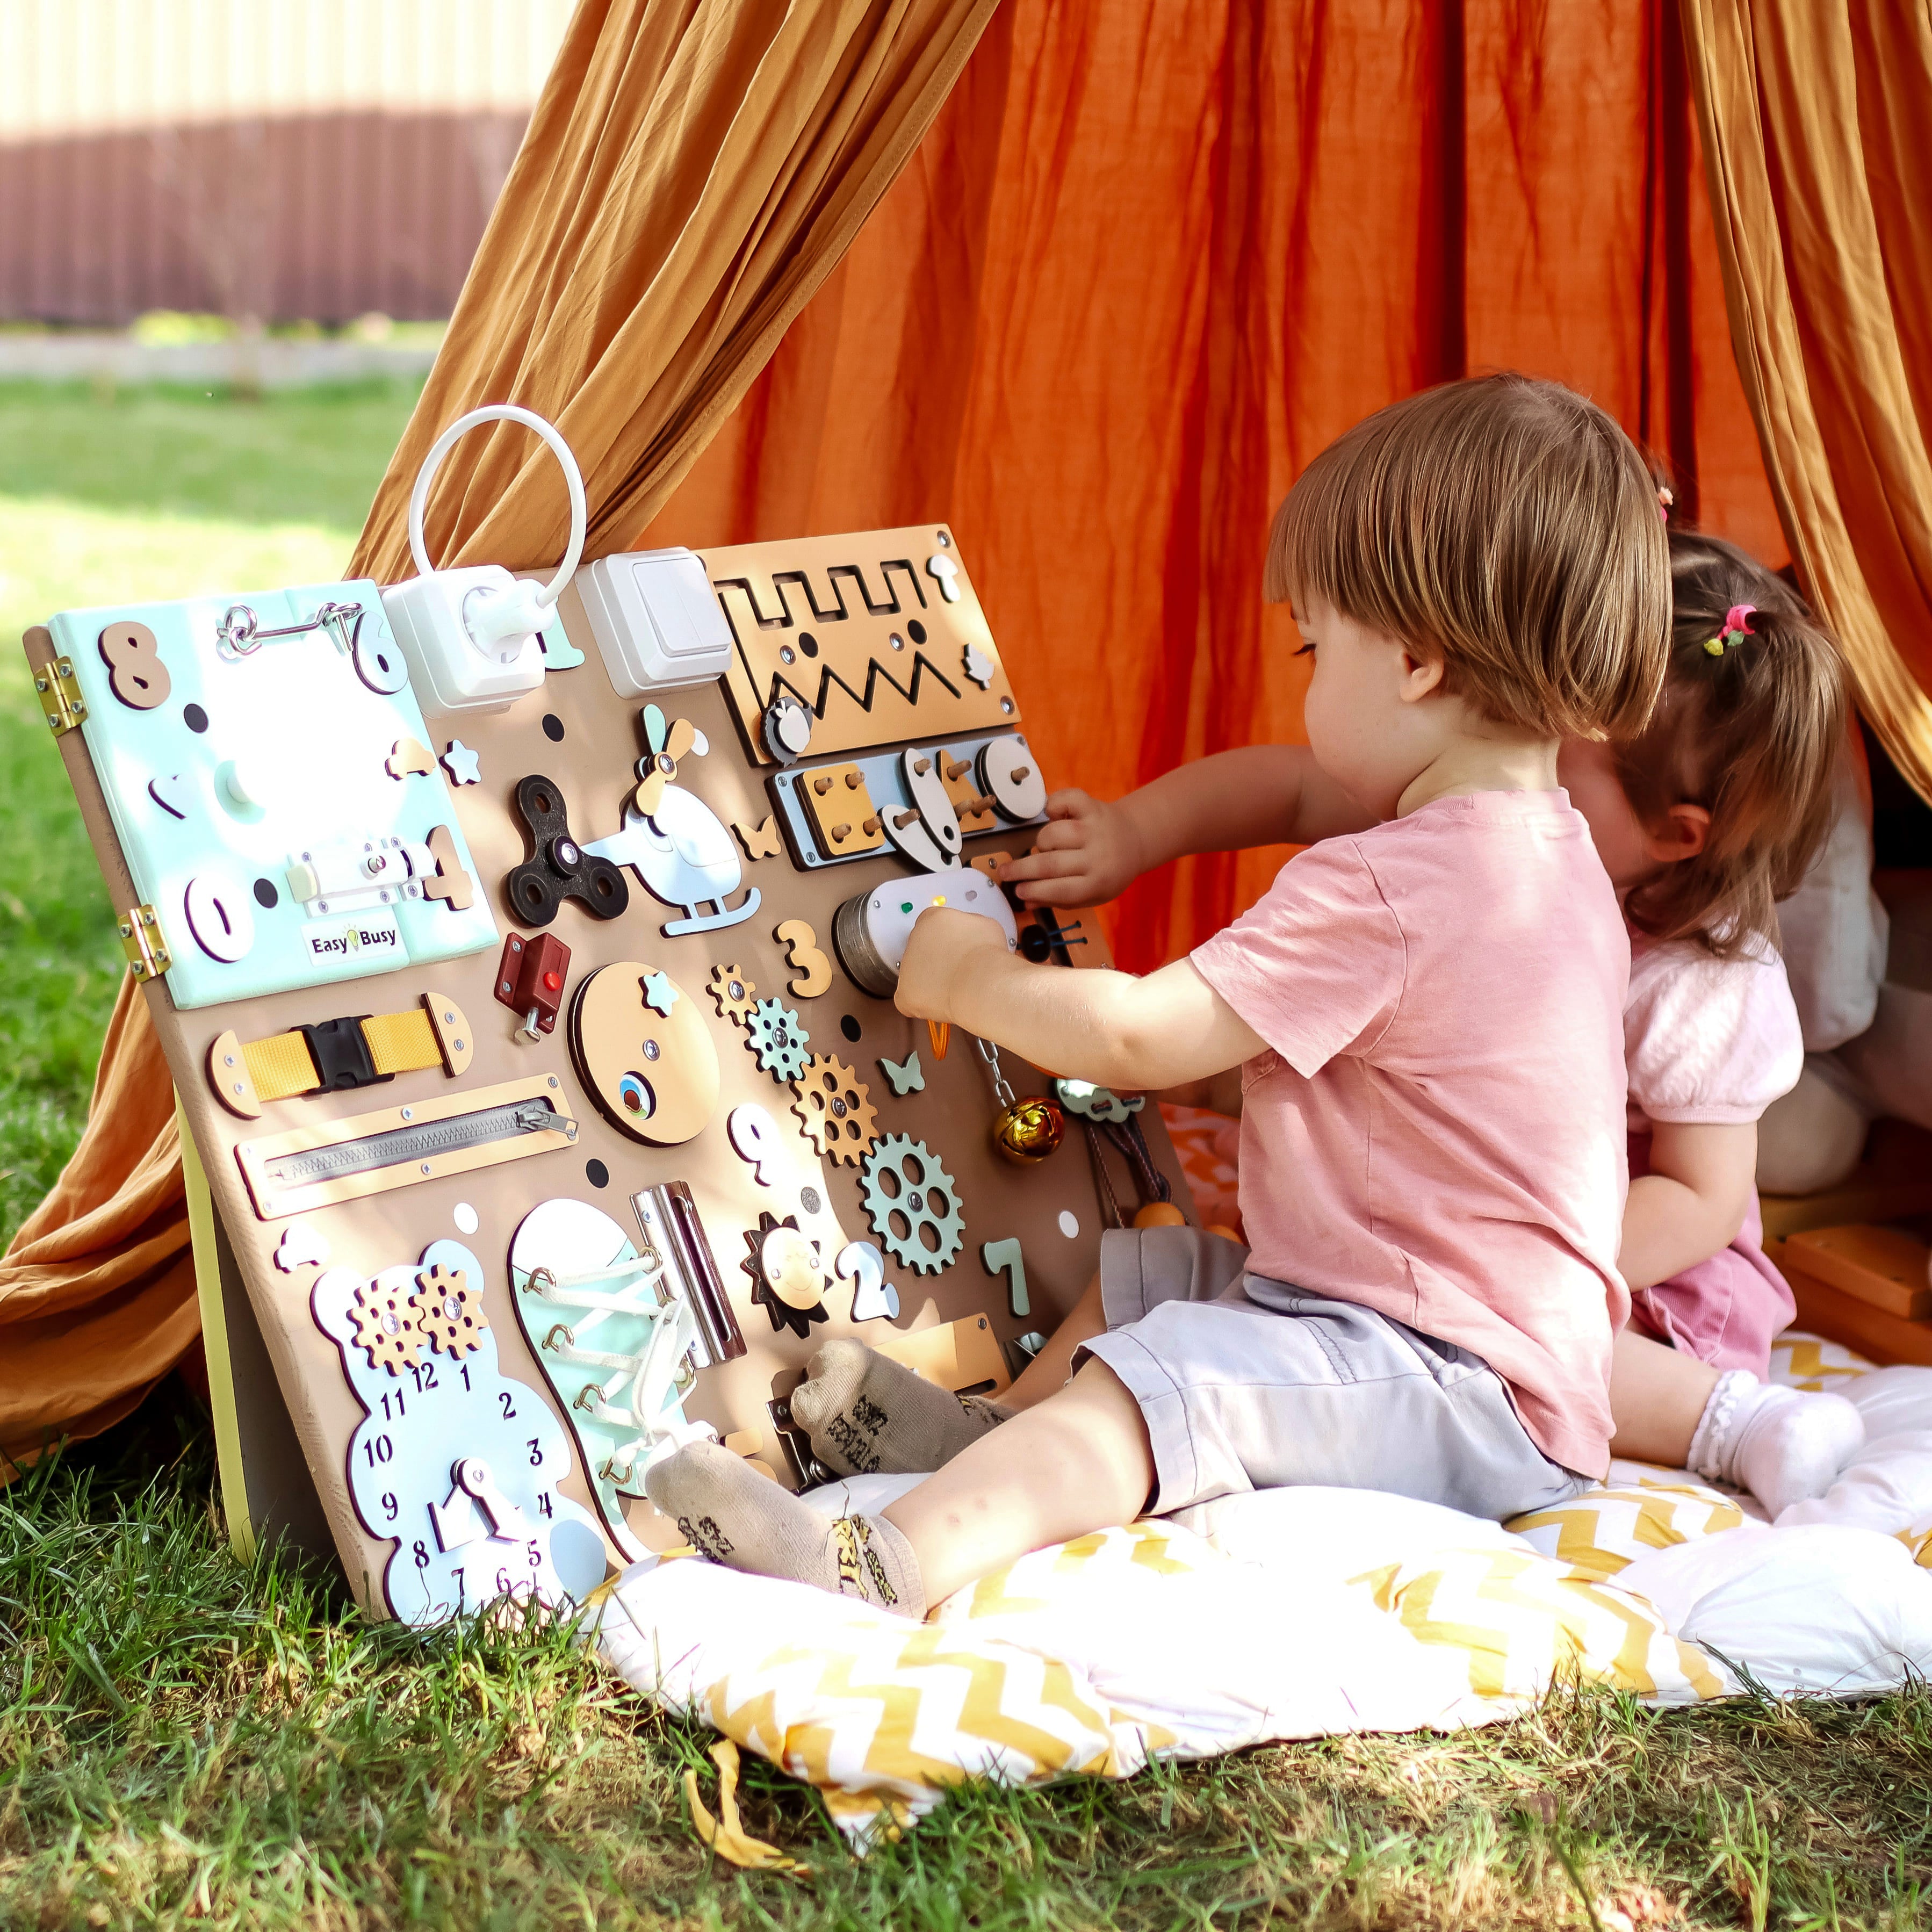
605 1119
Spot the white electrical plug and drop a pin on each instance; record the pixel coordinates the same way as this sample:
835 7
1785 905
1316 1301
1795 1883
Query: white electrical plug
469 636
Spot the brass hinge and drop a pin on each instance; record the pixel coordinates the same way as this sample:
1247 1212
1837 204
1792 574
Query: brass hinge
60 695
141 940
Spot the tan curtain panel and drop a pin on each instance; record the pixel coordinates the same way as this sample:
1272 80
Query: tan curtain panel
96 1293
691 174
1816 117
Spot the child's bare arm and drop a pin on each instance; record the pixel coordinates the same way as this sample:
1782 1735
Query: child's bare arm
1102 1026
1260 795
1693 1202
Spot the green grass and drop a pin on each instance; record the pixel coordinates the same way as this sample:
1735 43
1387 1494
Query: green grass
183 1740
152 494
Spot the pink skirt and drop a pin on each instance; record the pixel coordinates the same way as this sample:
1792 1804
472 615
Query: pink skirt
1724 1311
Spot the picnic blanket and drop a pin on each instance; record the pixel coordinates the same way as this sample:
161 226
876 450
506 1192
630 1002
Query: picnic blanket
1301 1612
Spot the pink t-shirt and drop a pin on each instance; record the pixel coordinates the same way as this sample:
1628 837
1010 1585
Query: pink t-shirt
1708 1041
1438 1133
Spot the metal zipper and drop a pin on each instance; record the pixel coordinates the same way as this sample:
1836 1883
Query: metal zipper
400 1145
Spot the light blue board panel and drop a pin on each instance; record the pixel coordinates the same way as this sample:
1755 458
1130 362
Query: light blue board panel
420 1423
309 739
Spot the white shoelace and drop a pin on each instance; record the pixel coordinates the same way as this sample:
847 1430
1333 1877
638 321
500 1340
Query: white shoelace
635 1391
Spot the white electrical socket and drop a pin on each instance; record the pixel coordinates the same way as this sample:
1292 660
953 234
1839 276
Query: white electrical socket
470 636
452 669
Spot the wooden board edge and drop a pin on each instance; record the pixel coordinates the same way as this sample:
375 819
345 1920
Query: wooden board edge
231 1468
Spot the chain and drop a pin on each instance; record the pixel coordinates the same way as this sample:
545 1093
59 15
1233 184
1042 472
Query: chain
990 1054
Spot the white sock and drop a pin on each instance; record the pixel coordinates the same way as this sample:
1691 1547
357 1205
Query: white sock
1783 1444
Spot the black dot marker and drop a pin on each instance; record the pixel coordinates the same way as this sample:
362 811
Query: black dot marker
554 731
597 1173
849 1027
194 717
266 894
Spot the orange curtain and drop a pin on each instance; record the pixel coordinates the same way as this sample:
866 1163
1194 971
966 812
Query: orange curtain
1817 124
1149 260
1153 258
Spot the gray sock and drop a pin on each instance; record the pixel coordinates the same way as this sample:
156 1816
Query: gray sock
747 1522
869 1415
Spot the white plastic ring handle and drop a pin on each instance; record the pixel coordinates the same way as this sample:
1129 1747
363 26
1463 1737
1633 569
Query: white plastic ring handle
573 479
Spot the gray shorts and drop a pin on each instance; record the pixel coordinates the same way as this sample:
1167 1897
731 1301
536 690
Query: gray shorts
1248 1384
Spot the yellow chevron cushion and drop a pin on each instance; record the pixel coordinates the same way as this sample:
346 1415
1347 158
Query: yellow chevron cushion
1805 1362
1524 1625
1596 1535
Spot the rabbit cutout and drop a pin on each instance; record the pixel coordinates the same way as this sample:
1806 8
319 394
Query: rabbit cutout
673 840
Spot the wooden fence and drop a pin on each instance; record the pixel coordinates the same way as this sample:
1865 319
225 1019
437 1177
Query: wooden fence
272 159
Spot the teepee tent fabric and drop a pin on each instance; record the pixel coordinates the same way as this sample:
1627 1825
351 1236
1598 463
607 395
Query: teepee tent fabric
691 176
1817 126
1149 259
1153 258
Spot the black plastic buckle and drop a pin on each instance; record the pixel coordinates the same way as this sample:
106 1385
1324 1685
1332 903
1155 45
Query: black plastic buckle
341 1054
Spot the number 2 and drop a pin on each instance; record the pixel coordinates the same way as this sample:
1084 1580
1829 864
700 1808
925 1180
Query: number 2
509 1407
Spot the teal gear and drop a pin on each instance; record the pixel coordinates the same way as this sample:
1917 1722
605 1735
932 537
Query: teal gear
912 1205
778 1036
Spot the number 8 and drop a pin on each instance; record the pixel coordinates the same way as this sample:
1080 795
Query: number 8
133 655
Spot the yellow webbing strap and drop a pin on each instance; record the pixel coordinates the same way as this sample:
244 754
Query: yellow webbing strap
282 1065
401 1042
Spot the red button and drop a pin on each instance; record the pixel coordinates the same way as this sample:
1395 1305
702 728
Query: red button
552 981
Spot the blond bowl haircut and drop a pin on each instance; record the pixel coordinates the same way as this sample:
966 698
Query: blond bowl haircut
1507 527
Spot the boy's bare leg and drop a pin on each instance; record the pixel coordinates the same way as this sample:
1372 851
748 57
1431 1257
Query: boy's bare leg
1657 1396
1079 1460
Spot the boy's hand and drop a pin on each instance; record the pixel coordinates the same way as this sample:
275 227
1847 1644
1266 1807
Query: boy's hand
946 949
1087 854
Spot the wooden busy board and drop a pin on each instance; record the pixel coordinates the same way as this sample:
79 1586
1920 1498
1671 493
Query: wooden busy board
493 1284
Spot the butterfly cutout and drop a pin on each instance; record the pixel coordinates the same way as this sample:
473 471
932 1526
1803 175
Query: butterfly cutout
906 1075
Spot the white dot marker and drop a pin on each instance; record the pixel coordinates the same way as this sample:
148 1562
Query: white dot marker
1069 1224
466 1218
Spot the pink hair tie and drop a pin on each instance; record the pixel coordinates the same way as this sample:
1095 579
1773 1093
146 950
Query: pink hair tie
1737 628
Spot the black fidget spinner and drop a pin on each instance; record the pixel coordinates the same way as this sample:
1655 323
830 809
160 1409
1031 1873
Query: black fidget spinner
558 868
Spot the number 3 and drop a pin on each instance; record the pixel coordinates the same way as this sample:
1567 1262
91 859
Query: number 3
802 943
133 654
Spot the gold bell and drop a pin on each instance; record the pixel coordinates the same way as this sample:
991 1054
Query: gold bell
1026 1131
